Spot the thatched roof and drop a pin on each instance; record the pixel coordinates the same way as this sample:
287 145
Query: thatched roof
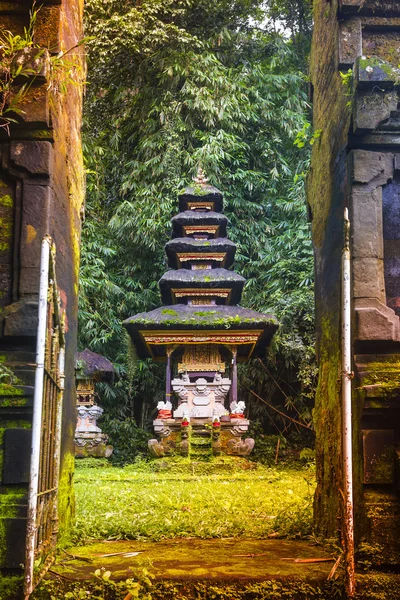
192 217
94 366
200 193
187 244
183 317
207 278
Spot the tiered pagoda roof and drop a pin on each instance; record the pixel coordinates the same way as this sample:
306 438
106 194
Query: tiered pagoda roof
201 293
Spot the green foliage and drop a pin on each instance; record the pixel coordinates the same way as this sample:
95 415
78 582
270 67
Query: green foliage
128 440
14 67
22 61
293 588
370 556
347 81
305 136
173 85
137 502
101 587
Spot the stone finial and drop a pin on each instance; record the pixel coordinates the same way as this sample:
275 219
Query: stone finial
201 178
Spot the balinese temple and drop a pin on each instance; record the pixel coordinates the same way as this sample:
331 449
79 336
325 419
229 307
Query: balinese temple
89 438
201 333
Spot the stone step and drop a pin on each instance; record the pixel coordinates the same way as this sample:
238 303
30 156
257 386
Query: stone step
17 390
25 374
200 443
17 357
200 432
204 449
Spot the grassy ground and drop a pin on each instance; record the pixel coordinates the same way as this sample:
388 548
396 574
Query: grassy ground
160 500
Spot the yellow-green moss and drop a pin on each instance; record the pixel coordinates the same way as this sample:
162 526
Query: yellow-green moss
10 586
10 390
9 499
66 497
6 200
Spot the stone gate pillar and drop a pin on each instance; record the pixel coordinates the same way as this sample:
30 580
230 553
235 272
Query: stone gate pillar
41 192
355 88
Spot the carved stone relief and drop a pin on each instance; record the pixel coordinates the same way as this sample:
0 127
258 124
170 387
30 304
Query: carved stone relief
201 399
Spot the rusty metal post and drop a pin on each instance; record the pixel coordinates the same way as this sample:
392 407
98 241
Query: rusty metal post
347 414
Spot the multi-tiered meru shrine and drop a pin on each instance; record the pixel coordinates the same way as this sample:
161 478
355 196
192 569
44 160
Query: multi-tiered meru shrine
201 333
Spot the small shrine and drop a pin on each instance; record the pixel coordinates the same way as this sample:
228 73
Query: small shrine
89 439
201 333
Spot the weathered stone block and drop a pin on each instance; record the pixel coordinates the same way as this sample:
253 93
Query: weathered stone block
392 274
374 70
383 512
371 167
14 554
29 281
5 285
352 3
383 44
35 223
14 22
35 157
34 107
33 61
17 451
372 107
391 210
23 320
366 218
375 321
350 42
370 7
378 452
368 278
47 32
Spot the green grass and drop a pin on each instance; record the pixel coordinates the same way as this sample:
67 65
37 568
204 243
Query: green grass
192 500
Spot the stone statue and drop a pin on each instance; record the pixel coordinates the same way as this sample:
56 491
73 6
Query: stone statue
164 410
240 447
157 448
237 409
201 388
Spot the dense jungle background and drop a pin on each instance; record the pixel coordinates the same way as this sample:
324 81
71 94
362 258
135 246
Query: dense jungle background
171 85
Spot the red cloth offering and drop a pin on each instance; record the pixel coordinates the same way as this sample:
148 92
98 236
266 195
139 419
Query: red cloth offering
164 414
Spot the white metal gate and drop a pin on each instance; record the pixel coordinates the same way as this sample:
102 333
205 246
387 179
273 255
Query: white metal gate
42 523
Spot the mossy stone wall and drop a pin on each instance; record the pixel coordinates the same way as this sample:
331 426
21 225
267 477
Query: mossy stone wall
41 192
355 98
326 197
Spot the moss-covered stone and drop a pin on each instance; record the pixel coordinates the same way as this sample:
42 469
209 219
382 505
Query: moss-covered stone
326 192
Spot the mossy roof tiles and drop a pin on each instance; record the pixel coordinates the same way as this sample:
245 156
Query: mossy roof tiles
95 366
207 278
193 217
187 244
183 317
200 193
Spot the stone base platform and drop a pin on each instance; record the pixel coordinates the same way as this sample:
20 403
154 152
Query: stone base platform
232 568
201 438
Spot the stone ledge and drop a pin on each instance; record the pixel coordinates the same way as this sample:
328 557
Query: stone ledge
375 321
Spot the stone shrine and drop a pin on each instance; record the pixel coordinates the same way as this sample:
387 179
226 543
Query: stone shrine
201 333
89 439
